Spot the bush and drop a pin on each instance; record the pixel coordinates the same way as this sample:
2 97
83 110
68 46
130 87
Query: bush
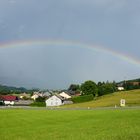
38 104
40 99
84 98
1 103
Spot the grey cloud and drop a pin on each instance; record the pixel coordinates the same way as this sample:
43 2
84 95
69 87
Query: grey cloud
114 24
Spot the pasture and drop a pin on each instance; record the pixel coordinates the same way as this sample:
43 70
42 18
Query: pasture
117 124
132 98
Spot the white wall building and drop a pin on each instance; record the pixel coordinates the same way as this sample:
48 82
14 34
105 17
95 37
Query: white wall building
65 95
9 99
34 97
120 88
9 102
55 100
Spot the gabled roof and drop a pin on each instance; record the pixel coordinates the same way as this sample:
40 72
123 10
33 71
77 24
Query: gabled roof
60 97
25 95
8 98
65 95
46 93
57 95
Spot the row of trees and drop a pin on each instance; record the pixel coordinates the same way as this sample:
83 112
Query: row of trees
14 90
131 85
90 87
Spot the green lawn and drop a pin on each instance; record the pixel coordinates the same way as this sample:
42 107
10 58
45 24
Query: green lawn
20 124
132 98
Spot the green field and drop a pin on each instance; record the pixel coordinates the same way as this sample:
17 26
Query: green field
20 124
132 98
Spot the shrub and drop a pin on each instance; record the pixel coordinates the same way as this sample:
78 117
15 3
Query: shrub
38 104
40 99
84 98
1 103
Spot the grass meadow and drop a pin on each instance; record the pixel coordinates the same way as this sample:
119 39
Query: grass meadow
117 124
132 98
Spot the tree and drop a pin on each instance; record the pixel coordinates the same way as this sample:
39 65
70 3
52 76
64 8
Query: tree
89 87
99 84
106 88
74 87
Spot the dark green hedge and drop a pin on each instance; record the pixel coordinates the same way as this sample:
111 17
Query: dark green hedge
81 99
1 103
38 104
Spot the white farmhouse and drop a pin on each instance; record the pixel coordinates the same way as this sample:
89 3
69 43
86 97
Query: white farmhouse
55 100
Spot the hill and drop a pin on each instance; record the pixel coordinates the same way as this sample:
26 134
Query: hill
132 98
131 80
8 89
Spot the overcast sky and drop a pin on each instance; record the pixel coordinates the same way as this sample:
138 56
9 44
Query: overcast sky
113 24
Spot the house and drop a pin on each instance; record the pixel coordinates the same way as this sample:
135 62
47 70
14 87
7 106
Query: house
36 95
74 93
24 96
65 95
46 94
134 83
55 100
9 99
120 88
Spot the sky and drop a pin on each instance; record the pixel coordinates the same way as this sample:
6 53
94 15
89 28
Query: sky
112 24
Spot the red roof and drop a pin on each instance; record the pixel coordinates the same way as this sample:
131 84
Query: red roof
9 98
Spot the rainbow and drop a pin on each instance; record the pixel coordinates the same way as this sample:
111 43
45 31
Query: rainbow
96 48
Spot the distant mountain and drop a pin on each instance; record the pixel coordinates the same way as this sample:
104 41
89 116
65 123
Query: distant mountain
8 89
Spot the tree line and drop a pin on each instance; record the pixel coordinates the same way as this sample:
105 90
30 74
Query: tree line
102 88
90 87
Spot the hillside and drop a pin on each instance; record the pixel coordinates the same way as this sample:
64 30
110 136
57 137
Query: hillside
132 99
8 89
131 80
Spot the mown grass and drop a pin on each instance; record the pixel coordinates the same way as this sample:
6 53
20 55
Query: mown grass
18 124
132 99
